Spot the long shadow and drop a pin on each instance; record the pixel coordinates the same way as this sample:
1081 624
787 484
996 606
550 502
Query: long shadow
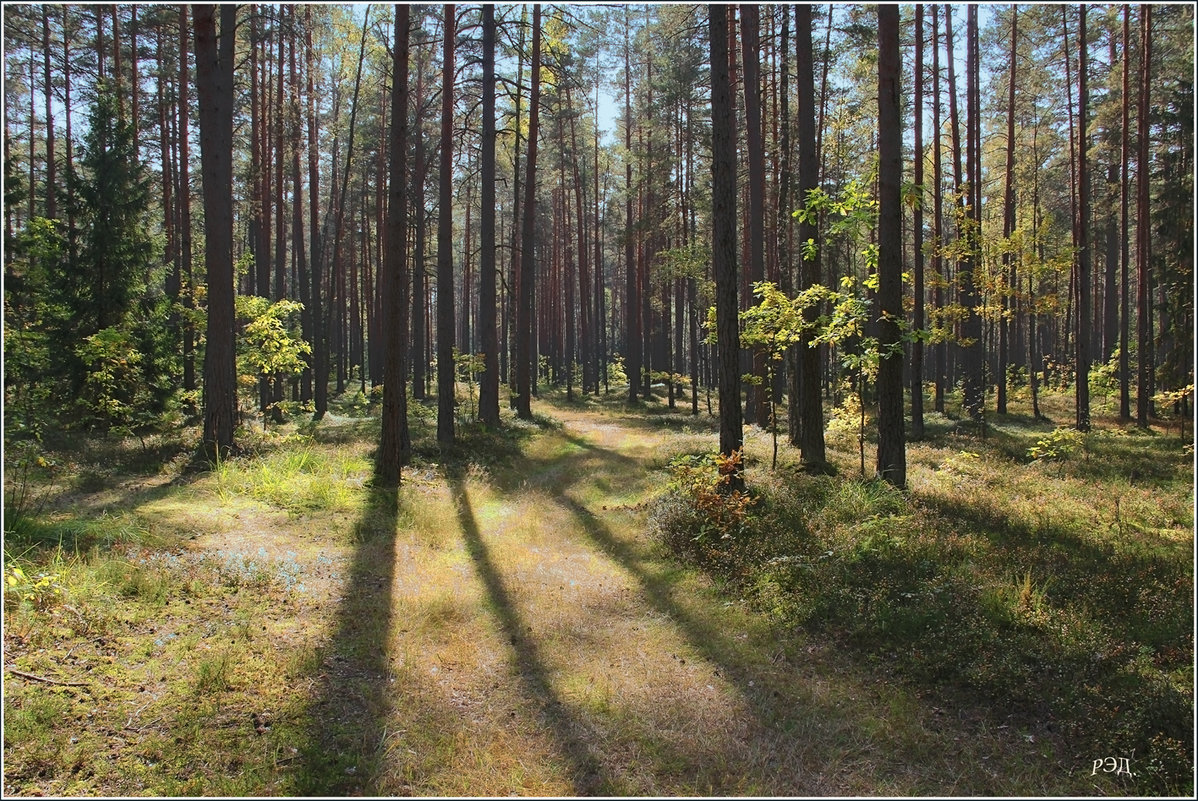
707 639
588 775
344 747
771 701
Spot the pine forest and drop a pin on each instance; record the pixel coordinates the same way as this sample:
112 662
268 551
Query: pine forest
598 399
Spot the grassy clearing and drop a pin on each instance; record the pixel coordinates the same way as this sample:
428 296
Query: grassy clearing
505 622
1053 597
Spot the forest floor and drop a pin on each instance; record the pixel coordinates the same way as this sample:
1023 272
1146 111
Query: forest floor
505 623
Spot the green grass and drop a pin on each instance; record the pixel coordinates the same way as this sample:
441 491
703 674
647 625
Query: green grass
1054 595
509 621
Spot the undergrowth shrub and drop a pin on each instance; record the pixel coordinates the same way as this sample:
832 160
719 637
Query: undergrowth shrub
700 518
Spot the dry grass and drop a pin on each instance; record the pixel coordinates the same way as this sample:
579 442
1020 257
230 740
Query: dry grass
503 624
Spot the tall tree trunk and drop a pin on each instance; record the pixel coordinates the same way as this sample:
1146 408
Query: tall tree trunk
51 177
1144 226
1125 225
1008 257
917 316
340 294
184 194
892 459
723 239
419 279
214 87
757 404
302 278
445 310
811 440
524 310
1083 336
320 328
941 348
632 303
585 327
488 391
393 277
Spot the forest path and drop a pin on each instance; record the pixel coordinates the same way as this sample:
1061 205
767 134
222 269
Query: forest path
537 642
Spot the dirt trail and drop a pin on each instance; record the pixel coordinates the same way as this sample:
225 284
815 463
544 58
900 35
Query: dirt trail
538 643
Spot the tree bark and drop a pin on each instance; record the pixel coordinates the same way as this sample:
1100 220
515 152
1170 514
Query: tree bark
917 316
1144 227
1125 226
488 391
393 278
632 303
524 310
811 441
1008 258
892 460
214 88
1084 334
757 404
445 310
723 239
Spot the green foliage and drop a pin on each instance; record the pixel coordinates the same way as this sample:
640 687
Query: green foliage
270 345
468 365
700 517
1058 445
615 370
87 340
112 387
39 590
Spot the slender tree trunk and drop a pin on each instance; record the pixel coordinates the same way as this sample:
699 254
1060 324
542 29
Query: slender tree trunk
320 328
338 229
302 279
515 294
938 268
214 87
917 316
445 309
393 277
1144 226
723 239
51 176
1125 225
488 392
524 310
757 405
419 281
1008 222
1083 336
184 194
632 304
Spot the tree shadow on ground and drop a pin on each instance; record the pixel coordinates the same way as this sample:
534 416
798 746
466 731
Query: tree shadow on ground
798 739
347 715
587 773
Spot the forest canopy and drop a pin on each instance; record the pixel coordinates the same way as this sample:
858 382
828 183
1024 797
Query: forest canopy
1046 174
